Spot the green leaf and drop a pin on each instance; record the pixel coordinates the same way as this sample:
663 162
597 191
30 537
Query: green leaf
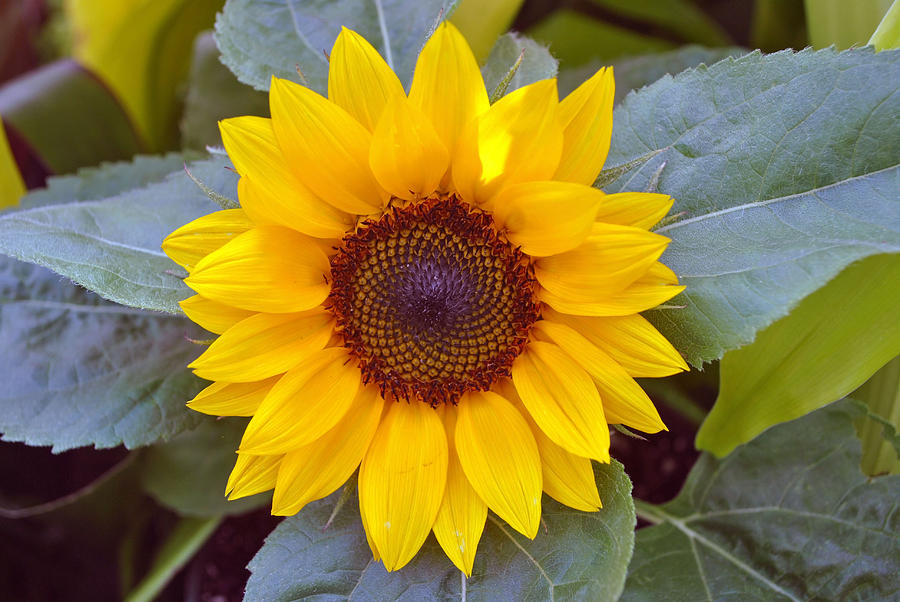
887 34
575 39
112 246
142 51
831 343
12 187
185 540
213 94
788 516
843 24
778 24
482 23
80 371
188 473
682 17
108 179
68 117
633 73
785 167
579 556
537 62
262 38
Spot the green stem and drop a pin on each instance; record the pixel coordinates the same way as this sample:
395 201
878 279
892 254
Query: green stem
185 540
676 400
649 512
882 394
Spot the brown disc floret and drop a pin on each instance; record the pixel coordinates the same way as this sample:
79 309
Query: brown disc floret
432 300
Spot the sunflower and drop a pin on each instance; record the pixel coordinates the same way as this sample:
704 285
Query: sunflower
426 287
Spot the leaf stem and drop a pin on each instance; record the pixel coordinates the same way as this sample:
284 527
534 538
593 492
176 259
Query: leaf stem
648 512
188 536
676 400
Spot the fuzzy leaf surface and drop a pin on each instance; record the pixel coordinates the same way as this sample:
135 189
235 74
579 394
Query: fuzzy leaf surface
112 245
785 168
788 516
537 62
78 370
581 556
262 38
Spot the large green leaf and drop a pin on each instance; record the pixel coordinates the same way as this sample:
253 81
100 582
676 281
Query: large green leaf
112 245
827 346
578 556
108 179
785 170
214 94
262 38
188 473
81 371
788 516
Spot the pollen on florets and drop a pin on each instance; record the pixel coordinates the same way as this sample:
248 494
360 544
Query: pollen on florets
432 300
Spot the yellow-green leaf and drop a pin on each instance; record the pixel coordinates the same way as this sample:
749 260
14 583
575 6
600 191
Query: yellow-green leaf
11 185
142 50
831 343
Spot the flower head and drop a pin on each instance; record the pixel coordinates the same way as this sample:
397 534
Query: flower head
429 288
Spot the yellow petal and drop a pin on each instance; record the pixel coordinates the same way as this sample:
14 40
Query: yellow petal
569 479
304 405
402 480
268 268
362 516
638 297
546 218
447 85
359 81
232 399
500 458
264 345
326 146
562 400
213 316
519 139
407 157
320 468
252 475
460 519
624 402
630 340
587 118
269 190
195 240
658 274
638 209
609 260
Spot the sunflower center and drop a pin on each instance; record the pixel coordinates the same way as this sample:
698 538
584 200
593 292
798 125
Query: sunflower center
432 300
